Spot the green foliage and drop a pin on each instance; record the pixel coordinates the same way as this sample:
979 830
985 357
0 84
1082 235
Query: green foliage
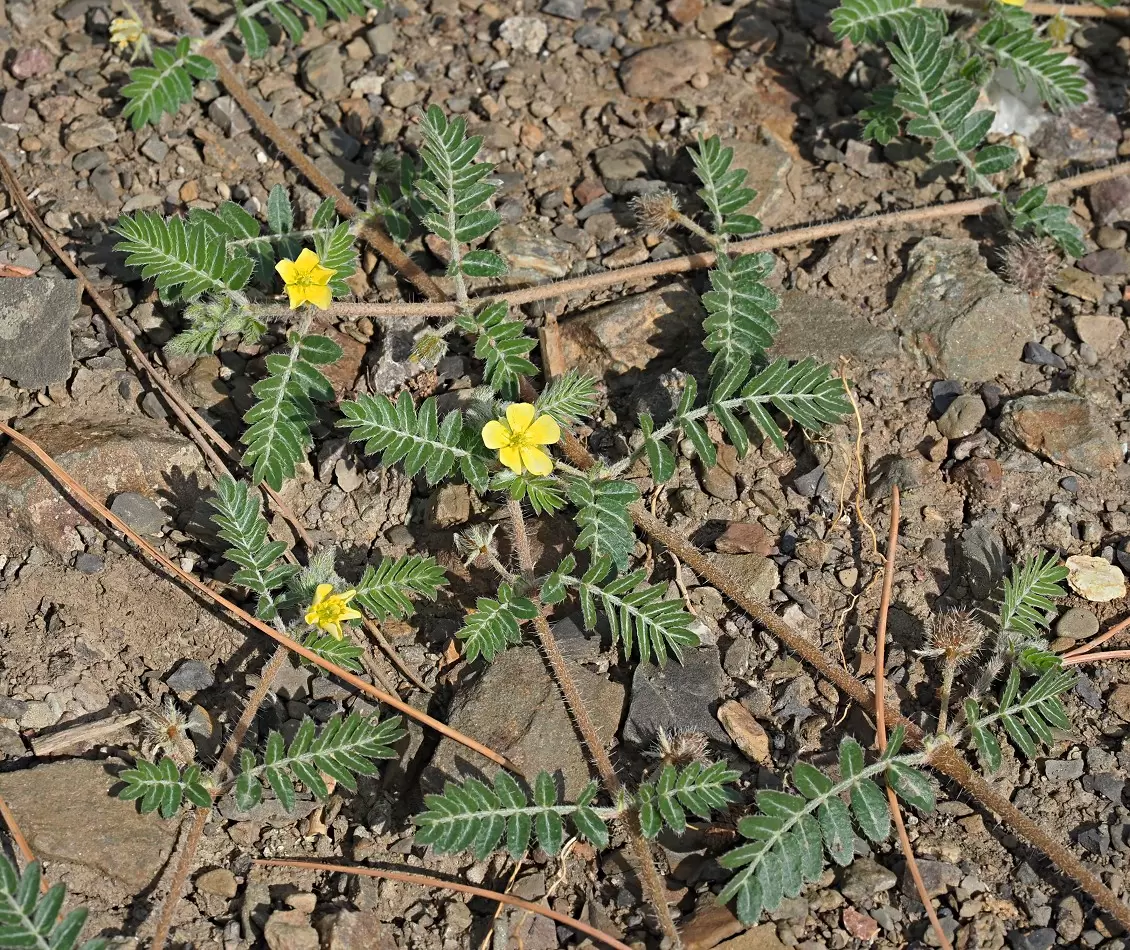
459 193
337 250
166 85
494 625
723 188
1014 44
502 343
1030 593
278 436
602 515
864 21
345 748
788 837
182 256
209 320
638 615
568 398
543 492
243 526
386 590
1025 717
289 14
697 788
1032 212
740 325
162 785
473 816
30 920
396 432
344 652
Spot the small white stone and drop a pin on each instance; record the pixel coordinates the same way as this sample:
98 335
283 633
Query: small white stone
1095 579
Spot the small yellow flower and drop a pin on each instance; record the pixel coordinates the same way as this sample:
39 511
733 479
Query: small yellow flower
126 31
306 280
330 610
1014 3
519 439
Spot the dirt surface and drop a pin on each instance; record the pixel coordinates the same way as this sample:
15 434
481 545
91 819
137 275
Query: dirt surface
577 122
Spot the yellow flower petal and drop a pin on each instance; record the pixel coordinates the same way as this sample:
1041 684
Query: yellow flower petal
321 275
307 261
350 614
333 628
1014 3
297 295
511 457
287 271
537 461
320 297
347 596
495 435
312 616
544 431
520 415
321 592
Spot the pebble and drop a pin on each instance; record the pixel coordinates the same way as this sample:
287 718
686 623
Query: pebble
1077 623
526 33
228 116
937 876
321 72
89 131
1039 355
567 9
1103 333
1063 770
12 708
943 393
291 930
746 732
743 538
1042 938
31 61
87 563
1095 578
1066 429
864 878
381 39
662 72
218 881
139 512
190 677
594 37
962 418
15 106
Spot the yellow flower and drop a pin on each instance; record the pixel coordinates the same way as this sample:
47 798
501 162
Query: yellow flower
519 439
1014 3
306 280
330 610
126 31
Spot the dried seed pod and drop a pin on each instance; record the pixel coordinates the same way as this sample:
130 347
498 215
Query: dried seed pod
656 212
1029 265
679 748
955 634
166 729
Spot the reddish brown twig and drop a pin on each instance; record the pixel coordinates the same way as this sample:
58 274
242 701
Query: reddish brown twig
1097 642
20 840
80 494
881 717
1102 655
426 880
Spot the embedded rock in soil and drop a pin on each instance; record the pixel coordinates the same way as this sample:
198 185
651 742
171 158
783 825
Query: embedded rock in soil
530 259
35 329
662 72
864 879
1062 428
291 930
630 332
105 455
756 575
679 697
766 165
516 708
963 319
66 811
826 330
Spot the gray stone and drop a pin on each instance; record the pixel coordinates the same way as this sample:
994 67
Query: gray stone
89 131
964 320
139 512
68 815
679 696
525 33
15 106
595 37
450 505
290 930
1066 429
12 708
662 72
767 166
1077 623
1088 135
105 182
865 878
826 330
321 72
962 418
1063 770
190 677
35 329
516 708
154 149
401 93
1036 354
756 575
568 9
1110 201
87 563
938 877
630 158
88 160
1041 938
981 560
531 259
228 116
381 39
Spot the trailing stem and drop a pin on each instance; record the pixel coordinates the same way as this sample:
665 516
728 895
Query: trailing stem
649 875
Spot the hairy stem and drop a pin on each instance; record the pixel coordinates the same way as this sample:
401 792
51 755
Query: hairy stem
949 667
650 879
219 775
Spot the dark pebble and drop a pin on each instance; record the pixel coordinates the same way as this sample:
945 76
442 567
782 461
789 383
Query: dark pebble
87 563
1043 938
191 677
1039 355
1070 483
943 393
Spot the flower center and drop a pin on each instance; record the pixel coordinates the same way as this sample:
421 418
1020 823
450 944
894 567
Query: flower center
330 610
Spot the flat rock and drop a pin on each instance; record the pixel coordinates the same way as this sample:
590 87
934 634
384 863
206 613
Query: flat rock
766 165
35 329
322 72
630 332
965 321
68 814
516 708
1065 429
107 456
679 696
630 158
826 330
139 512
757 575
1103 333
662 72
531 259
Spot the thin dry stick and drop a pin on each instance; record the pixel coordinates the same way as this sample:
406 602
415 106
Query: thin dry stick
649 875
681 265
1096 657
426 880
1077 11
79 493
943 757
881 717
18 836
1099 640
201 815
